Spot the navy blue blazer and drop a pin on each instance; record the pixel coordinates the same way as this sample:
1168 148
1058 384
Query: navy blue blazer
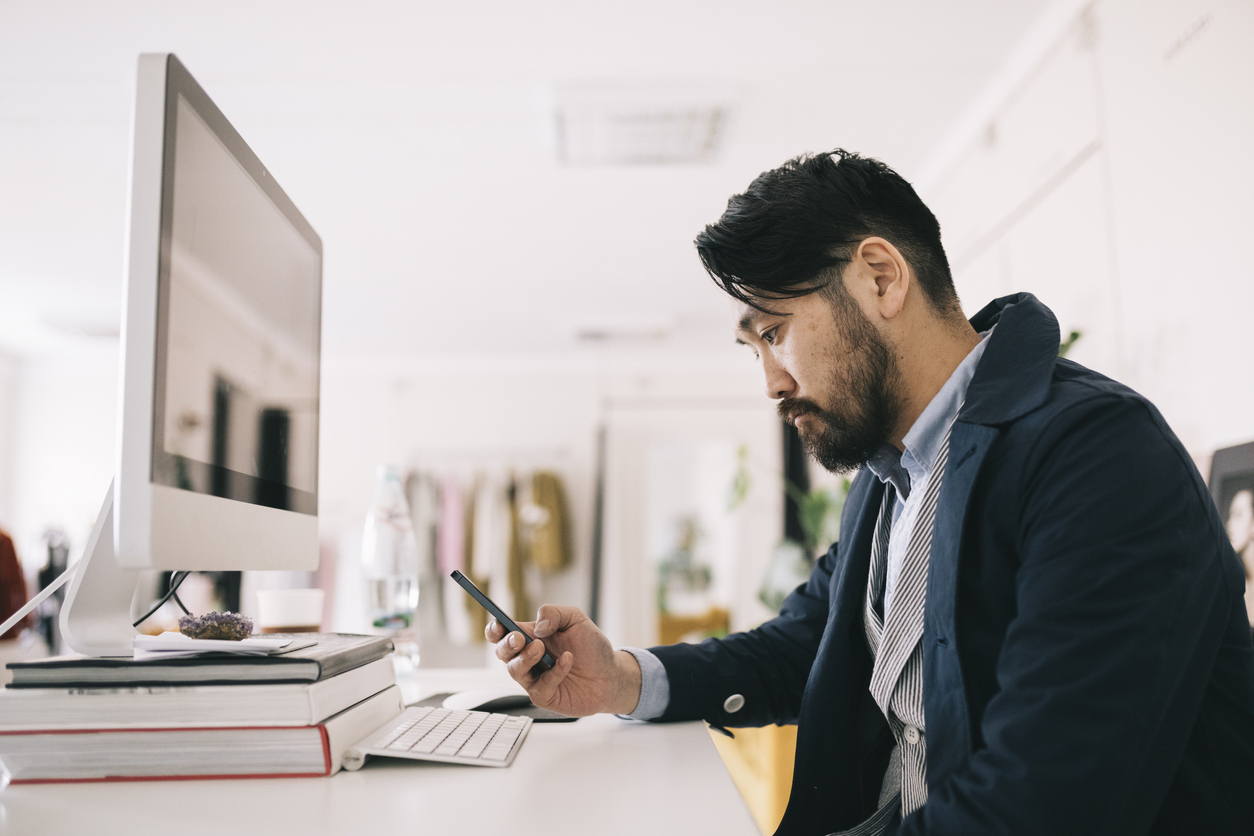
1088 666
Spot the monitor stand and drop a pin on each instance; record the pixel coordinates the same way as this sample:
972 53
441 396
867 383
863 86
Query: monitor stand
96 615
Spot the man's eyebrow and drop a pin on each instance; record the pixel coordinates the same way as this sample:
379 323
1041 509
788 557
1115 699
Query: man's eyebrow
747 320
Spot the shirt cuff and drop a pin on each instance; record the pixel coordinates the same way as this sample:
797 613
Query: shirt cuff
655 686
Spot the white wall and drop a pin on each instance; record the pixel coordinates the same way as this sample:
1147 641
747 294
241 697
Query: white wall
648 437
8 399
62 455
1108 171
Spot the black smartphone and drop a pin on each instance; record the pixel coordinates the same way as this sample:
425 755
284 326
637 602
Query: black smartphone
546 662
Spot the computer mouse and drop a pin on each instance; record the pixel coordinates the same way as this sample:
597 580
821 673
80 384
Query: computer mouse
506 703
503 701
487 699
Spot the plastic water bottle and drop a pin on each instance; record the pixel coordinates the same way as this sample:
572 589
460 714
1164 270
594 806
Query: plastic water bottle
389 557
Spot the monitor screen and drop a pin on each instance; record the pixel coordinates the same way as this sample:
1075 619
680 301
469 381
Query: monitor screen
239 320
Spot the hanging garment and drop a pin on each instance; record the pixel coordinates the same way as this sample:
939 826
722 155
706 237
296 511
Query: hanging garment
517 555
451 548
495 540
487 562
550 531
423 492
476 618
451 545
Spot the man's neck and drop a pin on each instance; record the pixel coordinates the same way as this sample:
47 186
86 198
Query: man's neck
925 362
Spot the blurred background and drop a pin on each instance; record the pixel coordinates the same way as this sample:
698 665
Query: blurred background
507 193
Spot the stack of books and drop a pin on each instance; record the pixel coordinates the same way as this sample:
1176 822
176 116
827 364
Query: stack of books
74 718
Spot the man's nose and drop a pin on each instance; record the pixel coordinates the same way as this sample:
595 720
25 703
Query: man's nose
779 383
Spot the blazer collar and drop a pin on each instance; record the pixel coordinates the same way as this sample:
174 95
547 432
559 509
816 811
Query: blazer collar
1014 374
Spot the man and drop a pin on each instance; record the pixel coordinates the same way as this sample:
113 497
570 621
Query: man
1032 622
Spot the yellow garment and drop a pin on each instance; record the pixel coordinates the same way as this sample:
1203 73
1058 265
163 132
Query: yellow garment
550 539
517 555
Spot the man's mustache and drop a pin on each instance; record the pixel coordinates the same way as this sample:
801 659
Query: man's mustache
790 409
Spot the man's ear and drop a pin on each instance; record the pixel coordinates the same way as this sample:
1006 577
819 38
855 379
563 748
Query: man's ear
885 264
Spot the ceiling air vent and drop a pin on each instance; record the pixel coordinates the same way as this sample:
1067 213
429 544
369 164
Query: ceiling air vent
640 126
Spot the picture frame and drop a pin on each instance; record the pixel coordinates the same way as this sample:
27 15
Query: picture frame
1230 469
1232 487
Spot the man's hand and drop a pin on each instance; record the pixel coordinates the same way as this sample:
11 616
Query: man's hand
590 677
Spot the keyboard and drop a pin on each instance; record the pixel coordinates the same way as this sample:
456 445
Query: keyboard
423 733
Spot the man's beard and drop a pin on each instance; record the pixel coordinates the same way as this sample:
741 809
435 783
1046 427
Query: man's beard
869 390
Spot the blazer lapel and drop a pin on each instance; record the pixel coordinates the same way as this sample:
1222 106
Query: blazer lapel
944 693
848 585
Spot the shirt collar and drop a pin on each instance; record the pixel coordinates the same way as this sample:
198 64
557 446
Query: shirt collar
886 464
923 440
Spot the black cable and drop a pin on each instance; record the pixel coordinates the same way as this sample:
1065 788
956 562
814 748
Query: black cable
175 580
182 606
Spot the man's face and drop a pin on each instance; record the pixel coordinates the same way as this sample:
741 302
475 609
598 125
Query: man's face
1241 520
833 373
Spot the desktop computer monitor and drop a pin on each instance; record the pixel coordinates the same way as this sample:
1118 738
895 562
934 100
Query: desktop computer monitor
217 462
217 458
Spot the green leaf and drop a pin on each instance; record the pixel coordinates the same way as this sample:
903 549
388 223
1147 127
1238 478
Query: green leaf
1066 344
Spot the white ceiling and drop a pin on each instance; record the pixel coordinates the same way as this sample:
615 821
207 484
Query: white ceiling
418 138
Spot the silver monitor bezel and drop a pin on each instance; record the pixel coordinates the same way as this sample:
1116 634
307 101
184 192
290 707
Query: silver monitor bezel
157 525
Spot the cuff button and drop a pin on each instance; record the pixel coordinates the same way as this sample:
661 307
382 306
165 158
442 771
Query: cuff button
733 703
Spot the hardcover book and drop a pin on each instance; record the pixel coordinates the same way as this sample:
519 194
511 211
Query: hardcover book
148 706
135 754
332 654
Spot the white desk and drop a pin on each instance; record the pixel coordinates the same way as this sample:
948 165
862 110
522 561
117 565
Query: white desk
598 775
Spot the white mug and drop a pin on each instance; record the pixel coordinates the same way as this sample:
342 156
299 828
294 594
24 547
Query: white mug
289 610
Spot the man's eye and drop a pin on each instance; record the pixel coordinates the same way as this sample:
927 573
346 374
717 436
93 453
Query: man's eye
768 336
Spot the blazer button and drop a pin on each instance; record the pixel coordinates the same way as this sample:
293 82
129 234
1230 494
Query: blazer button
912 735
733 703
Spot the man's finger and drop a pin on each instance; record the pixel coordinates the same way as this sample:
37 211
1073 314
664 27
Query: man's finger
524 660
509 647
494 632
554 619
544 692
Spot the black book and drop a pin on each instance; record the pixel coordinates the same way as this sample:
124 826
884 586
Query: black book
332 654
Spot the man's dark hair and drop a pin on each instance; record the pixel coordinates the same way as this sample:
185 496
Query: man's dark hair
793 229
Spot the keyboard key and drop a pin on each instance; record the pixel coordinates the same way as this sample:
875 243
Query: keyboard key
429 743
506 737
